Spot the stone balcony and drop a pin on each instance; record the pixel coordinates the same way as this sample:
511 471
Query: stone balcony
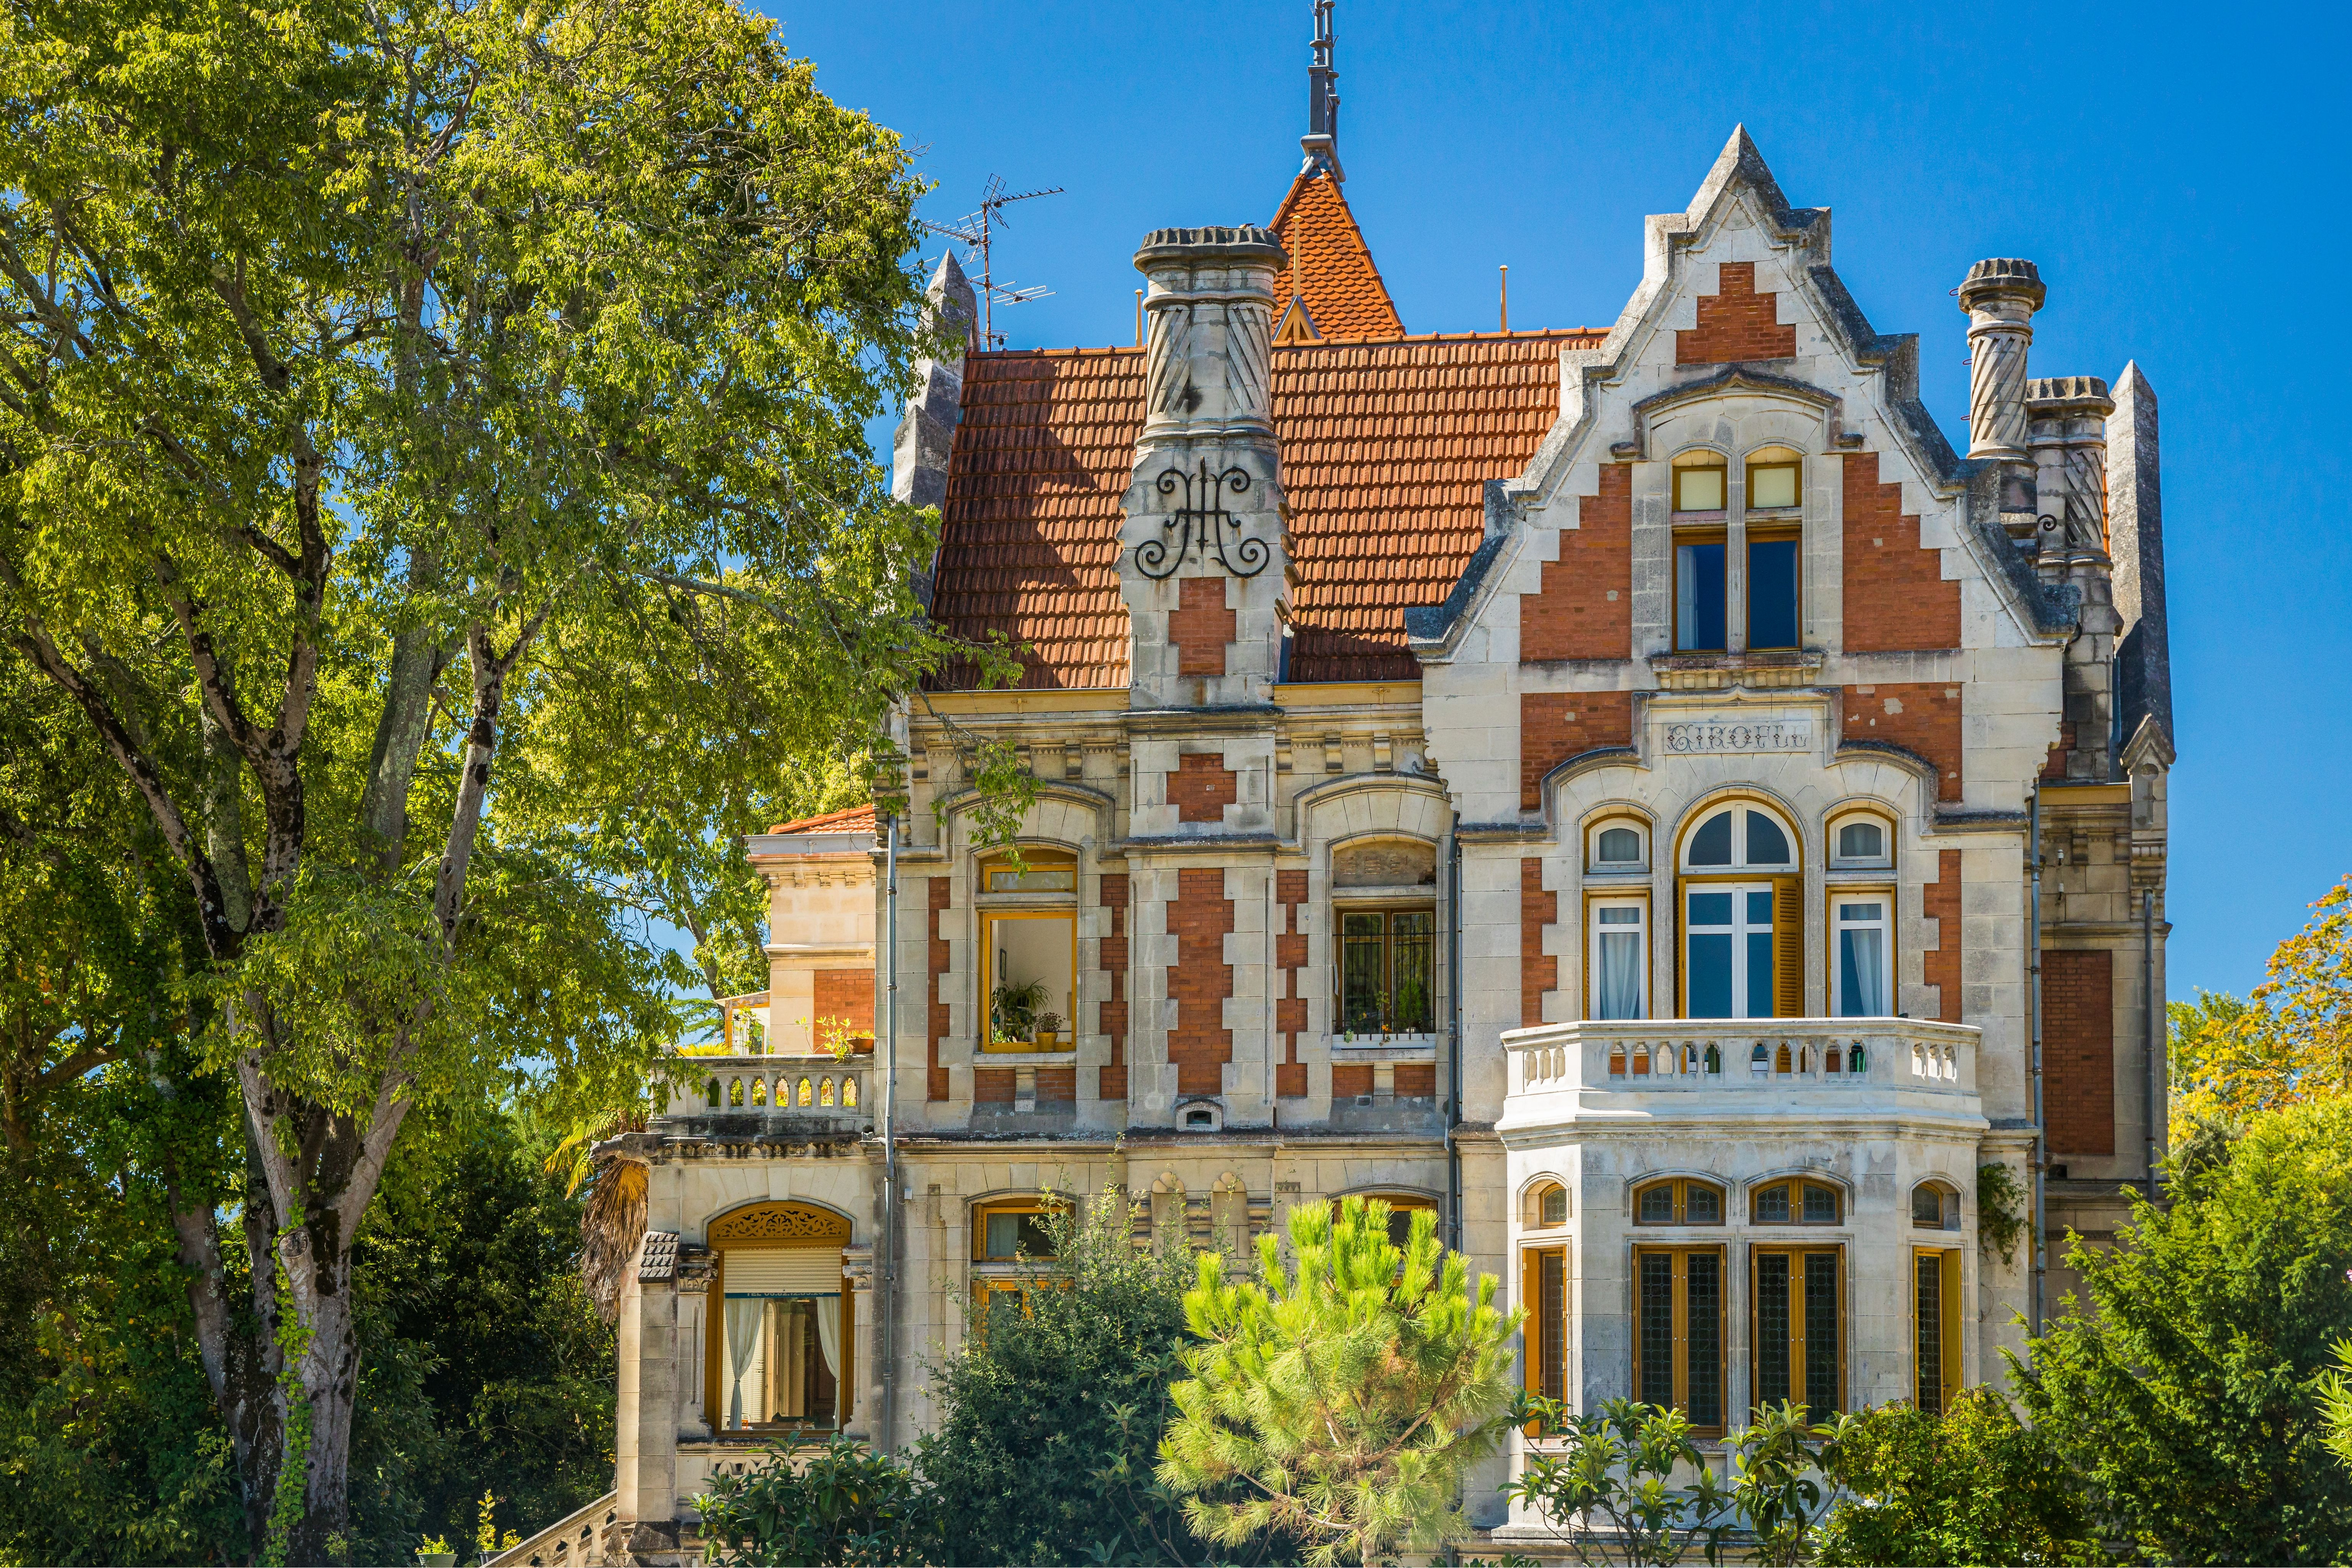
1681 1070
774 1094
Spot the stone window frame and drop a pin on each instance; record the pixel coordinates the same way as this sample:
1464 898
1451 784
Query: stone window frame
1948 1204
988 907
1680 1185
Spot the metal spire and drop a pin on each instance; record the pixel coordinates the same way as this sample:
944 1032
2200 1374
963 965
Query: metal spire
1322 139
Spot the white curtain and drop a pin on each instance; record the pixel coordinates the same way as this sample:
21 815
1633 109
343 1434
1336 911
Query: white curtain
743 1319
1619 993
1865 972
828 1335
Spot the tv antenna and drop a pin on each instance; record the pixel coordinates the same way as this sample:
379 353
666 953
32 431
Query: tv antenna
976 229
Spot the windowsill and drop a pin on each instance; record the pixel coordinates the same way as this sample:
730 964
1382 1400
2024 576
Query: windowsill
1386 1047
1714 517
997 1058
1632 874
1775 514
1694 670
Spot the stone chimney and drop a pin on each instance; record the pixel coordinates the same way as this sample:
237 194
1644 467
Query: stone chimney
1202 562
2000 297
2066 418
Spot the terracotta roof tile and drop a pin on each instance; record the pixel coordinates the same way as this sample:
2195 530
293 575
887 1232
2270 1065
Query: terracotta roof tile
1330 267
855 819
1386 448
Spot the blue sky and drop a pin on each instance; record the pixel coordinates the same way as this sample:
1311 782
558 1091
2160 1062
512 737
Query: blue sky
2177 173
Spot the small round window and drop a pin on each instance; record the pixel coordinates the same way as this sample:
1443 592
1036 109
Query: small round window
1617 849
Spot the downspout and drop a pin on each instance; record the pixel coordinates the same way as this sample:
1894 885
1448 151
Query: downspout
885 1283
2154 1058
1454 1051
2033 999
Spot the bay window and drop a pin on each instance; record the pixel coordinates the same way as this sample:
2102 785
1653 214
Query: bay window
1934 1328
1799 1350
1678 1308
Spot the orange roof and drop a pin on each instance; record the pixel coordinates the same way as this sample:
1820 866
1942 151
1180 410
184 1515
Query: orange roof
855 819
1331 268
1386 448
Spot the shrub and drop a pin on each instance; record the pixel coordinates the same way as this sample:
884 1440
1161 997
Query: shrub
1974 1485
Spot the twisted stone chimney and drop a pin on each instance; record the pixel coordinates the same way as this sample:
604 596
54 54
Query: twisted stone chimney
2000 295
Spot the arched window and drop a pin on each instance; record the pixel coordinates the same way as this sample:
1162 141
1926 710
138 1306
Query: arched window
1860 841
778 1349
1547 1205
1029 950
1741 903
1678 1200
1796 1203
1618 846
1934 1206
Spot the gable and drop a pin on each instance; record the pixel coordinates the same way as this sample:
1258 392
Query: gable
1331 271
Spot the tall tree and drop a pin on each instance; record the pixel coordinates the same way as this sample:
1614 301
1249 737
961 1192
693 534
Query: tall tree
412 415
2289 1042
2188 1395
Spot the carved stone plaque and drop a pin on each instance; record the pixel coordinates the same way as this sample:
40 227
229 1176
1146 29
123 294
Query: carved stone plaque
1384 865
1716 737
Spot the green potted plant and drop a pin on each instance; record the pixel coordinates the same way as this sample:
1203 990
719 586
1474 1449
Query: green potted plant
1049 1031
1012 1012
433 1552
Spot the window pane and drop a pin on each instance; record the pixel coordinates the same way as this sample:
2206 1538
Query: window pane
1702 1206
1699 489
1710 909
1773 1205
1698 596
1926 1205
1551 1289
1657 1205
1554 1210
1621 914
1711 845
1413 946
1771 1328
1928 1329
1821 1205
1861 972
1759 974
1036 879
1860 841
1705 1365
1766 844
1361 945
1617 985
1773 593
1774 485
1760 910
1655 1311
1003 1235
1710 977
1820 1333
1618 846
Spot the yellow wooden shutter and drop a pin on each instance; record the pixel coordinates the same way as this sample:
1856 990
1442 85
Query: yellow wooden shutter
1787 946
1948 1299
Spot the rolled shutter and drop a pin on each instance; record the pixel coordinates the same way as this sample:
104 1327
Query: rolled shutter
782 1272
1787 946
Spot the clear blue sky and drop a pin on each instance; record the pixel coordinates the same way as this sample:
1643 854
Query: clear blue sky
2177 173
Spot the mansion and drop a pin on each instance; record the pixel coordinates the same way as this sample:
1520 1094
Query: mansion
1644 794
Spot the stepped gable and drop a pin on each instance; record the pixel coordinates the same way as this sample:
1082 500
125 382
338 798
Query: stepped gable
1386 449
1330 269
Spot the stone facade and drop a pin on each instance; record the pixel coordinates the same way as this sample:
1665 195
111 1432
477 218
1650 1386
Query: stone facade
1744 949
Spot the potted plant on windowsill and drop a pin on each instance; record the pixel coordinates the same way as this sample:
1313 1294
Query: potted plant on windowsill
1013 1013
1049 1031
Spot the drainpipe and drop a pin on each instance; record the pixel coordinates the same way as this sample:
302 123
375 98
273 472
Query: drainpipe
1454 1049
885 1283
2155 1056
2033 987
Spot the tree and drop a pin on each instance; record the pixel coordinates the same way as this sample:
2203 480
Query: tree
1973 1485
1051 1413
842 1503
2188 1399
1338 1399
396 396
2290 1042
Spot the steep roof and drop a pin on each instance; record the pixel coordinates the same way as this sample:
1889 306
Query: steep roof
1386 449
1330 267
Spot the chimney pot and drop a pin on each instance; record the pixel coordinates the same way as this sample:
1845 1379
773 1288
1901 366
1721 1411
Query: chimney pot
2001 295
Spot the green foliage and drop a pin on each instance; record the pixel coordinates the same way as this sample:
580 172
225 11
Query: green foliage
1338 1402
2336 1404
2190 1399
1052 1412
840 1503
2001 1201
1972 1486
2291 1041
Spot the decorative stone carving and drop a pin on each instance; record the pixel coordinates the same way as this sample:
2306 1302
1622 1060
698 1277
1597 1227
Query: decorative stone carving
1716 737
779 1224
2000 297
1393 864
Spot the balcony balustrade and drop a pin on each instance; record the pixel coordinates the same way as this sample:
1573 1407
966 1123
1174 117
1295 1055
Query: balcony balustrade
800 1088
1679 1068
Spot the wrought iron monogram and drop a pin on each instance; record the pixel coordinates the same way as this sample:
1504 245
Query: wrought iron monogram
1201 523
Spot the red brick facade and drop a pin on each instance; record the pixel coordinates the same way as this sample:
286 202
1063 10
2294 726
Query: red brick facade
1201 788
1556 726
1940 902
1057 1083
846 993
991 1086
1110 1080
1539 971
1896 597
2078 1051
1200 917
1203 628
1922 717
1350 1079
1586 607
1291 1006
935 1077
1416 1081
1736 324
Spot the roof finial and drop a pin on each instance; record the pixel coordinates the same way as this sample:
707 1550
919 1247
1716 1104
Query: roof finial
1322 139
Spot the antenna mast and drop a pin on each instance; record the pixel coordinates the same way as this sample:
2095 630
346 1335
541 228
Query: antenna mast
977 230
